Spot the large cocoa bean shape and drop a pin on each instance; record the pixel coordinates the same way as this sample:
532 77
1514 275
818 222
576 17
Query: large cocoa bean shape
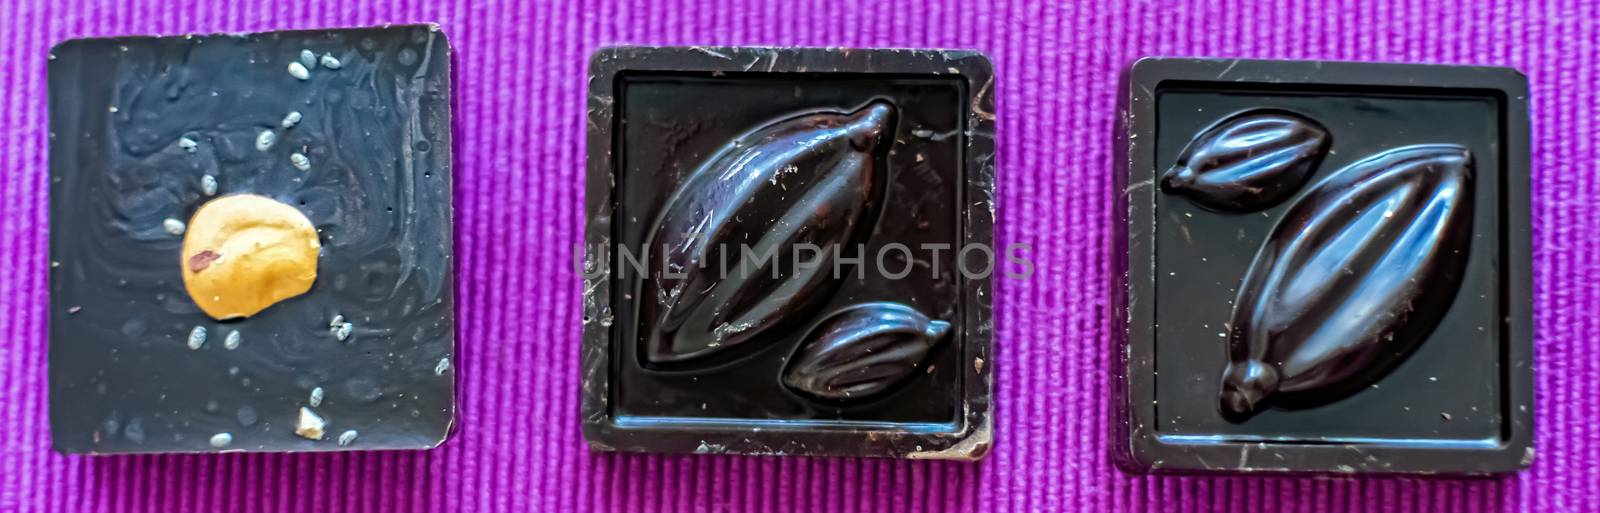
862 351
1249 161
722 254
1356 274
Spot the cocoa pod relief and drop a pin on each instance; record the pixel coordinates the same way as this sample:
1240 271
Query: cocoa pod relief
816 179
1353 277
862 351
1248 162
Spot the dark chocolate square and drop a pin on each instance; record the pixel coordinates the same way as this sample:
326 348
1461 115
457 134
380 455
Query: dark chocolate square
1328 268
144 131
701 159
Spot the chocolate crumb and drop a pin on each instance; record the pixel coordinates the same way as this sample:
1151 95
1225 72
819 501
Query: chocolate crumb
310 425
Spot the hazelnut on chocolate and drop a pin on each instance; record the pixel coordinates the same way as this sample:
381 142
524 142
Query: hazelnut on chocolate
243 253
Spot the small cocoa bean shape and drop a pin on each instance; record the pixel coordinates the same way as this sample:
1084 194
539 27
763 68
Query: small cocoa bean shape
1249 161
862 351
748 240
1352 279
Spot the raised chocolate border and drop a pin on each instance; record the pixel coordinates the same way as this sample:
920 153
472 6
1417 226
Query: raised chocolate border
974 433
1137 447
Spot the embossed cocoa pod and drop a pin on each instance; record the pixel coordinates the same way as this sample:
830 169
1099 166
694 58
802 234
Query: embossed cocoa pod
1353 278
1249 161
722 255
862 351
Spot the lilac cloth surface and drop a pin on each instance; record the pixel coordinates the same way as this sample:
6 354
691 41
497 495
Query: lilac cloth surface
520 150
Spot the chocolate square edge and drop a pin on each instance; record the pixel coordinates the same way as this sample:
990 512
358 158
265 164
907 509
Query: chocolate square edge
1136 446
973 435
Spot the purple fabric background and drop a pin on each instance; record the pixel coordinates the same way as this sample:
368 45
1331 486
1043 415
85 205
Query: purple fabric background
519 140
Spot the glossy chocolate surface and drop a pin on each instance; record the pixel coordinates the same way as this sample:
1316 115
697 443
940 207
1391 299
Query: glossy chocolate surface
863 351
1355 275
1349 325
740 199
817 178
1248 162
356 137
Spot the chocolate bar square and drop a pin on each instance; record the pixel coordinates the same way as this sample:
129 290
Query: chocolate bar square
250 242
774 249
1327 266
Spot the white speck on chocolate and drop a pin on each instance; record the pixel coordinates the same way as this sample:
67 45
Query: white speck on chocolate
197 337
348 437
316 397
291 119
112 108
342 331
299 71
174 226
308 58
331 62
221 440
299 161
444 365
232 341
188 144
337 320
310 425
266 139
208 185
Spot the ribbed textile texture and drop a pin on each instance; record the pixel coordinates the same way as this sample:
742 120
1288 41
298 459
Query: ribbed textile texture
520 151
